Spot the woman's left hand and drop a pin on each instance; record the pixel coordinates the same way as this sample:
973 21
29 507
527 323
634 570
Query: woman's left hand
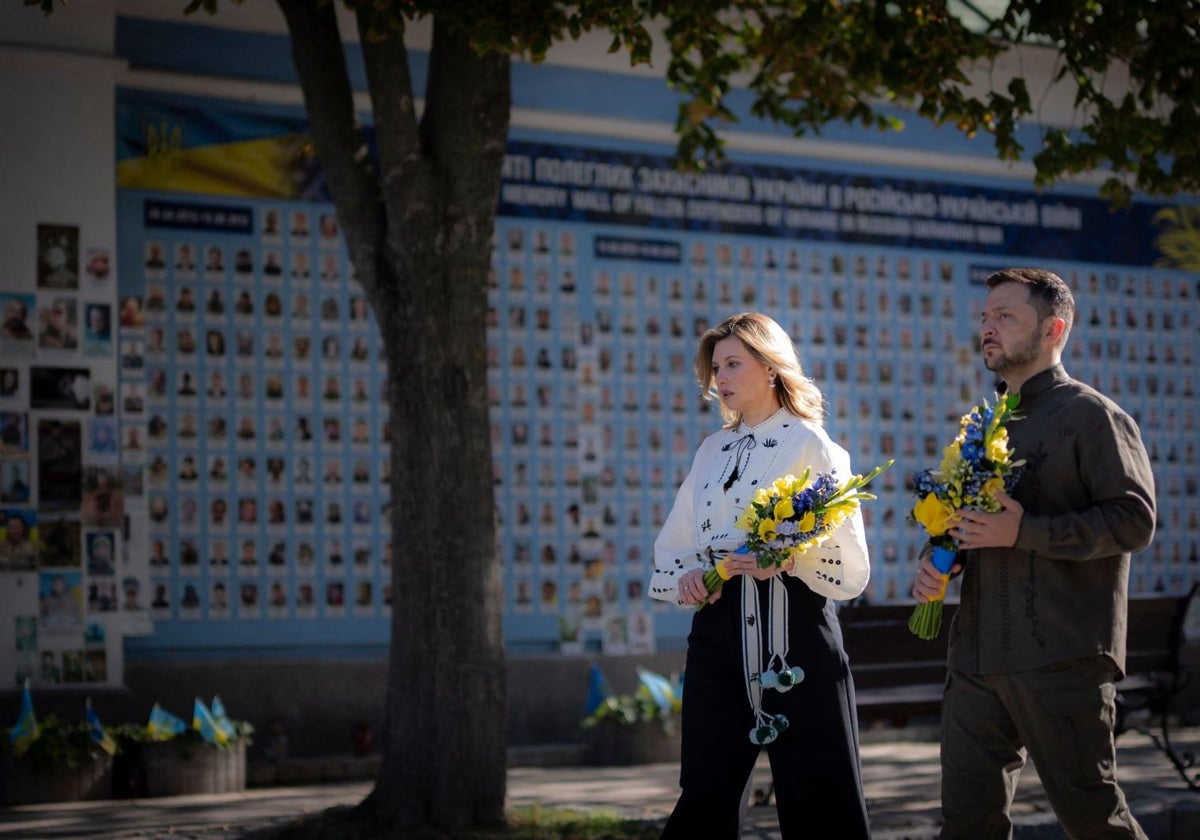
747 564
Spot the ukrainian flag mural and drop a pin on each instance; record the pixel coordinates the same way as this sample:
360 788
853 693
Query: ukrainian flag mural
177 147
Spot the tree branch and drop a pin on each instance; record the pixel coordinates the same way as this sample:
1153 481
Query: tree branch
465 126
340 145
381 34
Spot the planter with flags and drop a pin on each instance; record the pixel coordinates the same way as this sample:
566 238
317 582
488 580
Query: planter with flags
55 761
207 757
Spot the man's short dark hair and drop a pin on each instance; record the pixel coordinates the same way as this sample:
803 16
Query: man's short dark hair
1048 294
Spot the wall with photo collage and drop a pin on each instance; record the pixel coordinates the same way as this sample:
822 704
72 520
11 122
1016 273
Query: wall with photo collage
251 388
69 586
884 334
888 334
251 396
251 382
1137 339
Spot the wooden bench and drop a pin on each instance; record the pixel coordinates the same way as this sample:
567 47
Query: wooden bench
1155 674
899 677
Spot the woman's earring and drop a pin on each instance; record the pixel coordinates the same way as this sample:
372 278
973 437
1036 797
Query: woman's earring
771 382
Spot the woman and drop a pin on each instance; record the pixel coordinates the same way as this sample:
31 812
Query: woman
761 620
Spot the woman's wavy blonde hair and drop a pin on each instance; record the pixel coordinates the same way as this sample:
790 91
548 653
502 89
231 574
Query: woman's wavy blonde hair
770 345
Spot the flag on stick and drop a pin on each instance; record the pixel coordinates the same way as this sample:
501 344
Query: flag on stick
598 690
25 732
97 732
661 690
223 722
163 725
204 723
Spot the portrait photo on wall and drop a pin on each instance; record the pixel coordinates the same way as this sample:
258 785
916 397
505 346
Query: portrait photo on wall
102 439
14 434
97 329
14 482
103 402
57 256
60 388
60 603
58 324
101 552
10 383
18 540
60 467
61 540
16 333
97 264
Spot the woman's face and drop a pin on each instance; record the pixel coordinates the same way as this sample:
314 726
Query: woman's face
742 381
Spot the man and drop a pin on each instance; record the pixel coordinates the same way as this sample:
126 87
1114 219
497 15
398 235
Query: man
18 551
57 331
98 323
16 316
1039 636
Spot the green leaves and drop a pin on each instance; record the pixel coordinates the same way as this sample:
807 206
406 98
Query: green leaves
1130 67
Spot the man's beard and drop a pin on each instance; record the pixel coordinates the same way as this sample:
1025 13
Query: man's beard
1021 356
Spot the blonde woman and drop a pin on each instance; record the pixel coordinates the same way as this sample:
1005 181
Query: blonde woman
764 628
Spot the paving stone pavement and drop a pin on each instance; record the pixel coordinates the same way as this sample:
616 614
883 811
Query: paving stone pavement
901 781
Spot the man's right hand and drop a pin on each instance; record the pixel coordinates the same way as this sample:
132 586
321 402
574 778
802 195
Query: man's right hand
930 584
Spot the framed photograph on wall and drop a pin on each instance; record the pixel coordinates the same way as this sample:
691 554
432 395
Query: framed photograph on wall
57 256
60 388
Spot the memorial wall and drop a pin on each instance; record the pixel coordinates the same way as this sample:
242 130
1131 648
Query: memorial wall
194 426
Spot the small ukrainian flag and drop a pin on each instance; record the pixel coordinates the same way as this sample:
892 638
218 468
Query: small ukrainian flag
204 723
163 726
97 732
223 722
25 732
598 690
664 693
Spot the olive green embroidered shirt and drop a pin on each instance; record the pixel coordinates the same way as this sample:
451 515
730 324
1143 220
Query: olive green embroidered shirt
1087 491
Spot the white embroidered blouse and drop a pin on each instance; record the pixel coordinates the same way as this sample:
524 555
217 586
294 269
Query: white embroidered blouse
729 466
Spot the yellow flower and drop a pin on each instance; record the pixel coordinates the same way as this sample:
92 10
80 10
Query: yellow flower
746 519
783 486
934 514
991 487
784 509
761 496
766 529
997 449
837 515
807 522
951 460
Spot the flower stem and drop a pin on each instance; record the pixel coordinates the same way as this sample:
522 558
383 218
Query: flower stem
714 578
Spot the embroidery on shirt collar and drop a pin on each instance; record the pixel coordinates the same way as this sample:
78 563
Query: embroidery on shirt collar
735 467
741 449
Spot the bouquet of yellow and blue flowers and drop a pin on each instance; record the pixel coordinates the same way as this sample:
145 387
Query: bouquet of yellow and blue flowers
791 516
974 467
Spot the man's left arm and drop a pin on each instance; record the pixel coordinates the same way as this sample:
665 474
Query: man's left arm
1116 473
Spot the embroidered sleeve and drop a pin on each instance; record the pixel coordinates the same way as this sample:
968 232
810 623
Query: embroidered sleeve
675 549
840 568
1114 468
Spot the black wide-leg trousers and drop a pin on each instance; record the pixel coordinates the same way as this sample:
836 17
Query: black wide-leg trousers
814 764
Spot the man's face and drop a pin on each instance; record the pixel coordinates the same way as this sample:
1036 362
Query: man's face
16 529
1009 329
98 320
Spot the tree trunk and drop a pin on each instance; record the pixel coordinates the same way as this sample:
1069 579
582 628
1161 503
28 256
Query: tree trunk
419 233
